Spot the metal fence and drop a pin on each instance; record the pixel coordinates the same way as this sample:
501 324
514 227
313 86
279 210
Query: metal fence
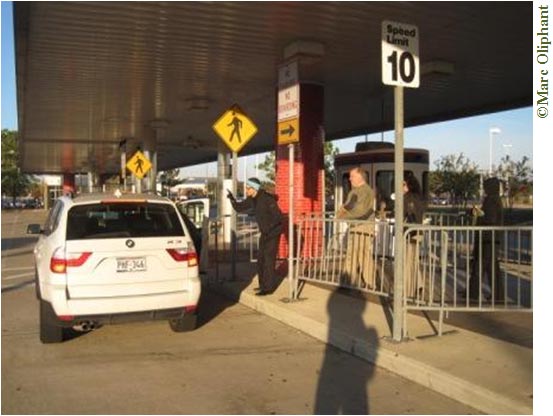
469 269
446 268
451 266
346 253
447 218
217 247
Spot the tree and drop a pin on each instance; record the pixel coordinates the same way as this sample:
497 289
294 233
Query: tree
14 182
517 176
268 166
456 176
330 151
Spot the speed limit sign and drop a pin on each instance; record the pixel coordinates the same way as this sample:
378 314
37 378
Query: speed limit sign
400 54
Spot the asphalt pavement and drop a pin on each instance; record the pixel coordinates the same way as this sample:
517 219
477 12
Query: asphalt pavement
486 364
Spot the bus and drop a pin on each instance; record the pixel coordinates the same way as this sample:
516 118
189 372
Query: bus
377 159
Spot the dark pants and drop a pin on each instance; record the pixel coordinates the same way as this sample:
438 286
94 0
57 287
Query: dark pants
489 267
266 260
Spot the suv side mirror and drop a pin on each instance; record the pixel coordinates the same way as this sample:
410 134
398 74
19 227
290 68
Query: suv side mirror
34 229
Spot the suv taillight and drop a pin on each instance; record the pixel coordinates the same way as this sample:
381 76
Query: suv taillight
60 261
184 254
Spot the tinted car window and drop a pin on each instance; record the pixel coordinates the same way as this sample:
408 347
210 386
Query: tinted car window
119 220
195 232
53 218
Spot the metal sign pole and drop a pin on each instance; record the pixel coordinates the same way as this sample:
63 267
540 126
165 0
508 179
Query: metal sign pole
233 241
398 252
291 278
400 68
123 149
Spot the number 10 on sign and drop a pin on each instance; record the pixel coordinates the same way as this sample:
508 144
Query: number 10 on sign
400 54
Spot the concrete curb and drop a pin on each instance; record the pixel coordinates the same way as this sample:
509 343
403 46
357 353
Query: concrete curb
464 391
17 251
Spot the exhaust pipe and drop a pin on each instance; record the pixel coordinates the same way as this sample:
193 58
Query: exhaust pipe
86 326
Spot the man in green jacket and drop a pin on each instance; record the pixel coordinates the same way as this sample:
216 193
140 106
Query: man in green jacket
358 269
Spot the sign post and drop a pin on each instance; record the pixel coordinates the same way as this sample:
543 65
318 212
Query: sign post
235 129
288 132
400 68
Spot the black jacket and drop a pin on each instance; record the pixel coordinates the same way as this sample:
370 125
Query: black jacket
413 208
492 206
493 210
264 207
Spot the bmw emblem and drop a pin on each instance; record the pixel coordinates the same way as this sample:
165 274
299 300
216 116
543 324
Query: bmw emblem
129 243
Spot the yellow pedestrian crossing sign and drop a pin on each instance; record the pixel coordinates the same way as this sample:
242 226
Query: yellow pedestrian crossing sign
235 128
139 165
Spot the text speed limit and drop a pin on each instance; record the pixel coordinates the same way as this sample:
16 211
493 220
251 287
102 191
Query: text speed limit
400 54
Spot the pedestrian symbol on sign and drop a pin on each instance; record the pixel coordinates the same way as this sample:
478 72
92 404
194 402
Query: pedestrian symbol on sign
234 123
139 164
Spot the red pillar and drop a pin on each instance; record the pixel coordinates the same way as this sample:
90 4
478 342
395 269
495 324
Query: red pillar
308 165
68 183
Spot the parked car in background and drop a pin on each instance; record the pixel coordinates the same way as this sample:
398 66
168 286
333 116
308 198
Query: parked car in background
104 258
439 201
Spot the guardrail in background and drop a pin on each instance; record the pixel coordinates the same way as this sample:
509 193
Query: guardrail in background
218 251
343 253
447 218
468 269
447 267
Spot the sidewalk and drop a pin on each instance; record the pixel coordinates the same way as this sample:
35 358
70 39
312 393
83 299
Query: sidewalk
488 374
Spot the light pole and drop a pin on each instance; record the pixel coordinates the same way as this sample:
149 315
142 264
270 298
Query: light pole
493 130
507 148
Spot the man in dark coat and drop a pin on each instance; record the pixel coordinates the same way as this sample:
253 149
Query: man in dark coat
269 220
487 245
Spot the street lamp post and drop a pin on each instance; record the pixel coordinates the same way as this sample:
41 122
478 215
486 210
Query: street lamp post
493 130
507 148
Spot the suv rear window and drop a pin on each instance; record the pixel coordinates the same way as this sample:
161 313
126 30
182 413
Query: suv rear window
120 220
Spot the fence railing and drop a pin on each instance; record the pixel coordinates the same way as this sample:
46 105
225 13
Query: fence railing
447 218
451 266
446 268
217 249
469 269
346 253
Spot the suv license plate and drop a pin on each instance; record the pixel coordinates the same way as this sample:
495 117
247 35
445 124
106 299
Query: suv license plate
132 264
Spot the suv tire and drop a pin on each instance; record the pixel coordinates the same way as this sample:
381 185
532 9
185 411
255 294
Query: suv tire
185 324
50 332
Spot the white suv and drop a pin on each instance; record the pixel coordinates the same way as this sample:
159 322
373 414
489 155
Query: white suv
114 258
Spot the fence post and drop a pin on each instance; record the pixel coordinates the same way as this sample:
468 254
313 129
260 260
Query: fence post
443 265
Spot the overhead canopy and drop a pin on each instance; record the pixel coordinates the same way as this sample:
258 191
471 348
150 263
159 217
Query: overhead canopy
90 75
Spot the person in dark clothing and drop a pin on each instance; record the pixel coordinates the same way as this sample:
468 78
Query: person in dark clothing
487 244
413 211
269 220
413 200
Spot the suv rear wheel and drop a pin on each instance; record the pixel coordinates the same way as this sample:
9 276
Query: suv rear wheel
187 323
49 332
